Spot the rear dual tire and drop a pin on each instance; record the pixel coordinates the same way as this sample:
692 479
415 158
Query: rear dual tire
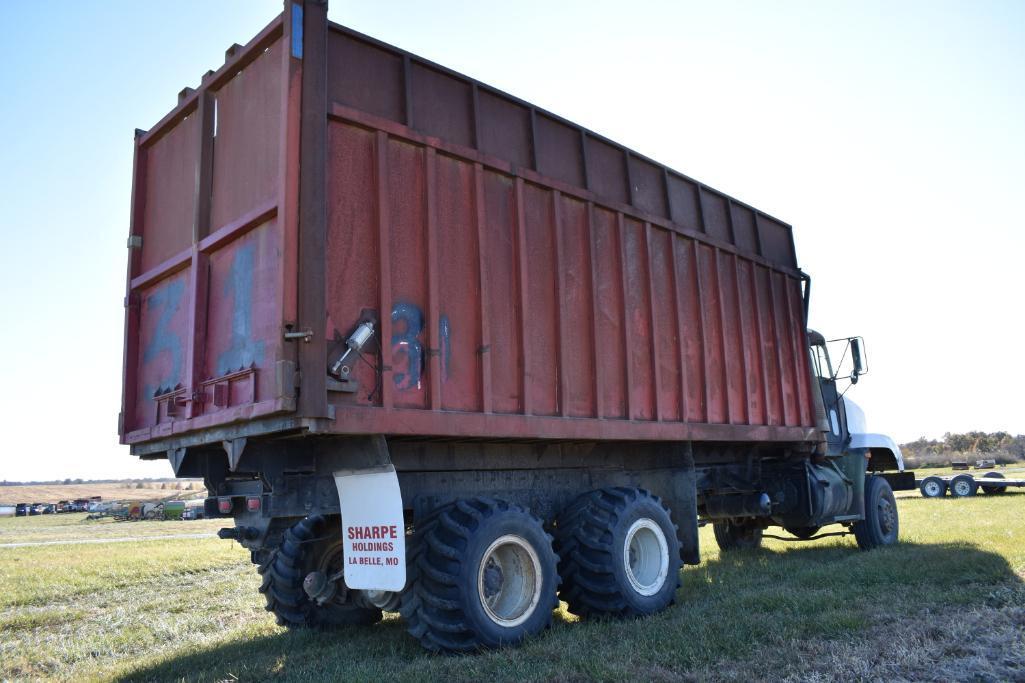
313 544
620 554
481 574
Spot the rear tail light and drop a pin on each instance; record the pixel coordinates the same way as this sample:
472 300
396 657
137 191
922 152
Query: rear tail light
253 504
224 506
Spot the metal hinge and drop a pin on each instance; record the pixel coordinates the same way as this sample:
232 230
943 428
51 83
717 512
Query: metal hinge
135 241
305 335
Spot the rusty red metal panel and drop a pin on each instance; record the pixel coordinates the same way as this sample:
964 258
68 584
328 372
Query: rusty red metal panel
578 342
541 320
733 341
689 296
666 339
638 316
366 77
244 310
716 381
772 350
407 239
163 349
751 339
352 249
247 141
502 303
458 338
169 190
611 361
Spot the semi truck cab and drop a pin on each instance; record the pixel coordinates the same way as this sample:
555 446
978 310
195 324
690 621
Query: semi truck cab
845 423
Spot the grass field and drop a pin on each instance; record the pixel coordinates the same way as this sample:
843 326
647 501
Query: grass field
946 604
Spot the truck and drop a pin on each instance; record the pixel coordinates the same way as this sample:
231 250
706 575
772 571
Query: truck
436 350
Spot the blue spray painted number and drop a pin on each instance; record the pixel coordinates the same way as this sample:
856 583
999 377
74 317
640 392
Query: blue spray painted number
167 300
407 326
243 351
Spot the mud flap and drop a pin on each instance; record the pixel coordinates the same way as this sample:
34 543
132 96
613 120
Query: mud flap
372 528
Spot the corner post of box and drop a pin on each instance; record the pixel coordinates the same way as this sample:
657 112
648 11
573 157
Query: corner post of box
309 44
131 321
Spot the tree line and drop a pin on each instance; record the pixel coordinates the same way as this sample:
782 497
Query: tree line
1004 447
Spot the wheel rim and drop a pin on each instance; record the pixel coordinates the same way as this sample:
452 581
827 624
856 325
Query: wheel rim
962 488
932 489
509 580
646 556
887 516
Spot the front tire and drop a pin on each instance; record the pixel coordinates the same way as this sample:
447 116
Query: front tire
482 574
620 554
881 525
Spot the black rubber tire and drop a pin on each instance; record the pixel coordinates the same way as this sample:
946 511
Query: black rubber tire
993 490
737 534
933 487
590 537
963 486
804 532
302 551
881 526
442 605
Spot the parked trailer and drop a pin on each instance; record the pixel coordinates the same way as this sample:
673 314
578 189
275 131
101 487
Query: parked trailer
437 350
964 485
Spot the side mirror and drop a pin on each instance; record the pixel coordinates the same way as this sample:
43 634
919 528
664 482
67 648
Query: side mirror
858 356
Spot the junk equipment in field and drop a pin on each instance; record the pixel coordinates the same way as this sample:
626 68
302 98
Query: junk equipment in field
436 350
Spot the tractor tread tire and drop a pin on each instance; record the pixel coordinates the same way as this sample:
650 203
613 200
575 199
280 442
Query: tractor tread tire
282 585
590 554
437 606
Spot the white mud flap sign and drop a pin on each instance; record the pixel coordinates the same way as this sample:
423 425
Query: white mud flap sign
372 529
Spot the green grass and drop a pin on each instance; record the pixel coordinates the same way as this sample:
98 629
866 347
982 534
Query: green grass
189 609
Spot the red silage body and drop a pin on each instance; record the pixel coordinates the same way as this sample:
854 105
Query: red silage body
527 278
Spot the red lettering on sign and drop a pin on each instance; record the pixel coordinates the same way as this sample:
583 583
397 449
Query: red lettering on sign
361 533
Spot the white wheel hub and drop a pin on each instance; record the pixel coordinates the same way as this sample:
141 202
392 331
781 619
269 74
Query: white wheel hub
962 488
509 580
646 556
932 488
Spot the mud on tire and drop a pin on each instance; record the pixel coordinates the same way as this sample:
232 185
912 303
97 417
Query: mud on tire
308 546
620 554
481 573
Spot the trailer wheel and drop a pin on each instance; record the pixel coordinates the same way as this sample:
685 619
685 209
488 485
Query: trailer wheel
963 486
311 545
933 487
620 554
482 574
881 525
993 490
737 534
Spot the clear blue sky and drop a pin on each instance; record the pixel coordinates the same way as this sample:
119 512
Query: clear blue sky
891 135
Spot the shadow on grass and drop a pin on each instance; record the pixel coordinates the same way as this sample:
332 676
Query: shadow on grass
726 608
